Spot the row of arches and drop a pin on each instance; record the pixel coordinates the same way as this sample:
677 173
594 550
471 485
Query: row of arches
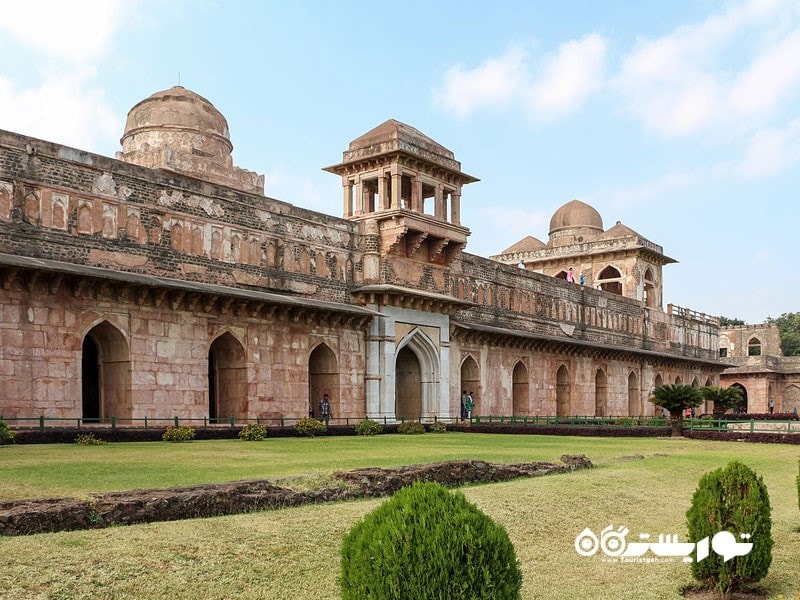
521 386
106 376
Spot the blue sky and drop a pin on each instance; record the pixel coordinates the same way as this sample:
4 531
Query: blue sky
680 119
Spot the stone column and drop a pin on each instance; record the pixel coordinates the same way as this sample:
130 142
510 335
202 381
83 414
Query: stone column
359 197
455 208
383 193
397 179
419 201
347 191
439 210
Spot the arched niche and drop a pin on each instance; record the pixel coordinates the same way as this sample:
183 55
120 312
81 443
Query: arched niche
416 377
520 390
227 378
105 374
323 378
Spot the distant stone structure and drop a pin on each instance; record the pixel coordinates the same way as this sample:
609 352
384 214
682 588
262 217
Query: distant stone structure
759 368
166 284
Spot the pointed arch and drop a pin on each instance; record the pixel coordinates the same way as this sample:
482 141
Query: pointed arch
323 378
678 380
650 290
742 408
610 280
416 376
634 397
600 393
520 390
471 382
563 392
227 378
105 374
754 347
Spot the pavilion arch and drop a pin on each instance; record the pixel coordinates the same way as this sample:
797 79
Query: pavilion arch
563 392
520 390
743 405
323 378
105 373
634 396
650 289
600 393
754 347
416 376
227 378
790 401
610 280
471 381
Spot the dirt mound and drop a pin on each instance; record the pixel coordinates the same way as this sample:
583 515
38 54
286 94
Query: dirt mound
23 517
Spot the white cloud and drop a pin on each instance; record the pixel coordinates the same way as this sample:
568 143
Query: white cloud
492 85
78 30
64 42
693 79
771 151
568 77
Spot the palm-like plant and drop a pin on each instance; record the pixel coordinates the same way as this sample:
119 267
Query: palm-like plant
723 398
676 398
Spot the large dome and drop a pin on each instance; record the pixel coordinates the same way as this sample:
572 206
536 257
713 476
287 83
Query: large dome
180 119
576 215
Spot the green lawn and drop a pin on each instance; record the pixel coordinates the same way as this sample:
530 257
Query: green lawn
294 552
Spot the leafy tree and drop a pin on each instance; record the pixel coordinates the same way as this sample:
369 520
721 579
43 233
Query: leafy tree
726 322
789 326
723 398
675 398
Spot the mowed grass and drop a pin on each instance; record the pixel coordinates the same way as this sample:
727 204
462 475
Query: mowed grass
294 553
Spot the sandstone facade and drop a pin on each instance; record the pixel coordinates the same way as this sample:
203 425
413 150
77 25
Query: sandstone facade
758 367
164 283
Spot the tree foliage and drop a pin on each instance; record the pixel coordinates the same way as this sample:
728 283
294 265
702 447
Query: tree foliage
723 398
675 398
789 327
726 322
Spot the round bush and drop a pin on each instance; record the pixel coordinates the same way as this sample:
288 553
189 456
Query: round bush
732 499
310 427
438 427
253 432
426 542
178 434
6 435
411 428
368 427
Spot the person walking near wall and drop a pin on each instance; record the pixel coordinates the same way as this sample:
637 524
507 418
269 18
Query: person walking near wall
468 404
325 409
570 275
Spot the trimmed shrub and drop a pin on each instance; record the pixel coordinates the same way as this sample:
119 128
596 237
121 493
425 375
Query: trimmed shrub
732 499
178 434
253 432
426 542
310 427
88 439
411 427
438 427
368 427
6 435
626 422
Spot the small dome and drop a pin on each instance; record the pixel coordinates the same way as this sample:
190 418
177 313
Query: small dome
178 118
576 215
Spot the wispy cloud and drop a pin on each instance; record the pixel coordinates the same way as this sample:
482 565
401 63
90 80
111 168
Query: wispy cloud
68 40
493 84
771 151
567 78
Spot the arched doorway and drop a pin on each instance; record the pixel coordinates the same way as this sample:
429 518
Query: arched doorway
742 408
791 399
563 398
520 390
634 399
471 383
417 377
408 386
650 294
227 379
323 378
600 393
105 374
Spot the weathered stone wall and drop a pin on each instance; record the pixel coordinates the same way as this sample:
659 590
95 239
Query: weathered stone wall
167 337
